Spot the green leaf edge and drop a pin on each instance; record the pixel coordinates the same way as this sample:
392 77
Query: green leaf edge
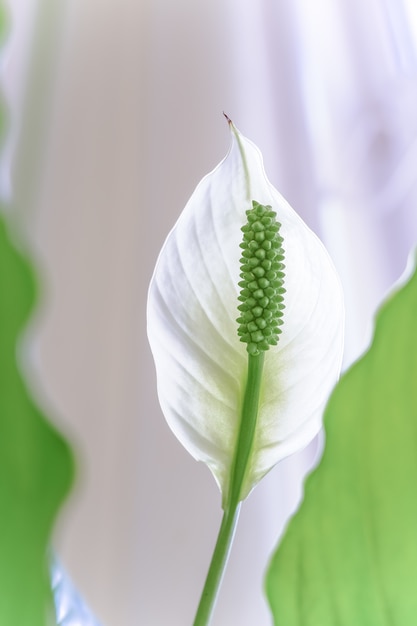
280 579
36 463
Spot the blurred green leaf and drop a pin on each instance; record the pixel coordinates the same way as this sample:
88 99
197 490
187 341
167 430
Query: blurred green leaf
4 30
35 463
349 556
4 21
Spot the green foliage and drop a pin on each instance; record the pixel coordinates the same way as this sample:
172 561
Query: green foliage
349 556
35 463
4 29
4 21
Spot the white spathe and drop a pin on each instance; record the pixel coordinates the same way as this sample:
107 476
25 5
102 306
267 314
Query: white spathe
192 308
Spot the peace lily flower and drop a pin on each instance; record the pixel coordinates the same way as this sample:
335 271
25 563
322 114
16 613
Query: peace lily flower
245 322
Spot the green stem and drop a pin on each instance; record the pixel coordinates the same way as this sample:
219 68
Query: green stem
217 567
233 501
247 428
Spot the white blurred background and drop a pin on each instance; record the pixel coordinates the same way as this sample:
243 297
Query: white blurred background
116 111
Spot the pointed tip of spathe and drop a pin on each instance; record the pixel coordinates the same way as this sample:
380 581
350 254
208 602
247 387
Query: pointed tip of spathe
232 127
229 121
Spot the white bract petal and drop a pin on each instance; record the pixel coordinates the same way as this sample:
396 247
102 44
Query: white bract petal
200 362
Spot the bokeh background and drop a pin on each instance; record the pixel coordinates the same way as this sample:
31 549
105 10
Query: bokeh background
116 114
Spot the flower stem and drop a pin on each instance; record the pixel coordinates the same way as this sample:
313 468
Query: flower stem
217 566
247 430
234 497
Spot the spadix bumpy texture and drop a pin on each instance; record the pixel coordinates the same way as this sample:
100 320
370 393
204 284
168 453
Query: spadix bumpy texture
200 361
262 289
